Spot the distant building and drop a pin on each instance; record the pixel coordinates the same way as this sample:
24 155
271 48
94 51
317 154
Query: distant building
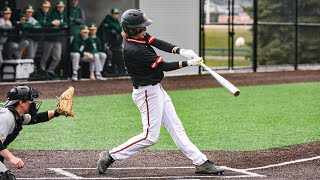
218 12
243 18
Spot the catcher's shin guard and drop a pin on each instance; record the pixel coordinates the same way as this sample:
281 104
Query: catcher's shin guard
7 176
104 162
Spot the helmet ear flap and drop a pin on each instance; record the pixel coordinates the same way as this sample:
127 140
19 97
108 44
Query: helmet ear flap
130 31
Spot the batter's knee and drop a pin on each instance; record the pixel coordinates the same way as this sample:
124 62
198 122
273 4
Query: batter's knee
153 137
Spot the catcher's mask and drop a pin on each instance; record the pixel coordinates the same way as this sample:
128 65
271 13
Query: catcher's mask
133 21
24 93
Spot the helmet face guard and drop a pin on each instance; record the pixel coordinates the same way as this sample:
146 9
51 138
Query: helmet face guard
34 107
132 20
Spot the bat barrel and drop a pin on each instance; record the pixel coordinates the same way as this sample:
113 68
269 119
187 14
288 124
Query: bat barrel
225 83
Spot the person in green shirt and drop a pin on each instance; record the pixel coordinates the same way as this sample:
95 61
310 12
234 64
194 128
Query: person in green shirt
15 44
110 31
97 43
31 24
59 13
51 45
43 16
82 49
77 18
5 24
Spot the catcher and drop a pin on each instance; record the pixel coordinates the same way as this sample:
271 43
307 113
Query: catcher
22 109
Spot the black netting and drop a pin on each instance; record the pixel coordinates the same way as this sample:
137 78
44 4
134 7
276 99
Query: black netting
287 33
309 11
276 10
275 45
308 43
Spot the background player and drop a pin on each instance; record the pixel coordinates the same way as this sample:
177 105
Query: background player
146 71
19 110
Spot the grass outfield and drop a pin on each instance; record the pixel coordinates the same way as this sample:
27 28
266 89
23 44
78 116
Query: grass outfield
217 37
262 117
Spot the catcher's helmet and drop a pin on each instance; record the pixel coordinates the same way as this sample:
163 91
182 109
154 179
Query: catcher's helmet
132 19
18 93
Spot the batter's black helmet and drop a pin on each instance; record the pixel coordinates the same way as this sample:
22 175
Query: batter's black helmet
21 93
132 19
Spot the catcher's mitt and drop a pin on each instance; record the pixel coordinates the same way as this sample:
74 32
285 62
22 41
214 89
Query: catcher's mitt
65 102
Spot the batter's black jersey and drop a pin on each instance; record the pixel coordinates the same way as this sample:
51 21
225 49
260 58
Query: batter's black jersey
144 66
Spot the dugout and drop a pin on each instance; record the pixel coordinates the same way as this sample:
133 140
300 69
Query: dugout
176 21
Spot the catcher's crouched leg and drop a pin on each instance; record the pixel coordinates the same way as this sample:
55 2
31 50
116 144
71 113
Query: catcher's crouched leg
7 176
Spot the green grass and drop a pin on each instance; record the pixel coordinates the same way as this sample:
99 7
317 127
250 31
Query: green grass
262 117
217 37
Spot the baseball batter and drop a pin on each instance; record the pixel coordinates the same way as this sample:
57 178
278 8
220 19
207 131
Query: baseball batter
19 110
146 68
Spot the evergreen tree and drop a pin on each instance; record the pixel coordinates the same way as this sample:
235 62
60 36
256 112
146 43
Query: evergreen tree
276 42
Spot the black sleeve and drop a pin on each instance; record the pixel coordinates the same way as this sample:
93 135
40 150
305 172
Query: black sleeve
160 44
170 66
151 60
39 118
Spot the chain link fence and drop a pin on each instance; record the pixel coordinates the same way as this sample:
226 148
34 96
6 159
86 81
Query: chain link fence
278 32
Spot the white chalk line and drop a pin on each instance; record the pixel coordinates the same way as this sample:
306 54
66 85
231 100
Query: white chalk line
284 163
251 174
65 173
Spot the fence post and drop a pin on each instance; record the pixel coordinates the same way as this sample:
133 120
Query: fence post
232 36
255 34
68 64
201 32
296 37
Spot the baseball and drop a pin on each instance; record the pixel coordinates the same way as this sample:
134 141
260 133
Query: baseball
240 42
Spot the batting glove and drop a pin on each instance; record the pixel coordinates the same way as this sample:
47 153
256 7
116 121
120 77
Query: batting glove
189 54
195 61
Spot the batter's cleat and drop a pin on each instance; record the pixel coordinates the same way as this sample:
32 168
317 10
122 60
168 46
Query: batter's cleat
208 168
104 162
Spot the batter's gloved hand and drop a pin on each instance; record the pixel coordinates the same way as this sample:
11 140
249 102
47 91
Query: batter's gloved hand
194 61
189 54
64 106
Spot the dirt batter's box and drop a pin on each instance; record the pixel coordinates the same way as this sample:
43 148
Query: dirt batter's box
147 172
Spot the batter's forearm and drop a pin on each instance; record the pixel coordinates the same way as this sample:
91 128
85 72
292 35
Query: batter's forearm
170 66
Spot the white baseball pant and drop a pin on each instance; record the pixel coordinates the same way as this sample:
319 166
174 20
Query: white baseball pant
156 108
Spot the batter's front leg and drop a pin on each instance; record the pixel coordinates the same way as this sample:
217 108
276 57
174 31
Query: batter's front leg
151 108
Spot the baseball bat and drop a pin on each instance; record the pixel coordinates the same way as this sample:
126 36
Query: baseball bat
225 83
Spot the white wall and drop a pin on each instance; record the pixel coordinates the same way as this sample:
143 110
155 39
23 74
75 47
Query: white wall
177 22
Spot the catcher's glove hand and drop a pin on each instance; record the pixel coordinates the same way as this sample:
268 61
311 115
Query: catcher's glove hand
64 105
